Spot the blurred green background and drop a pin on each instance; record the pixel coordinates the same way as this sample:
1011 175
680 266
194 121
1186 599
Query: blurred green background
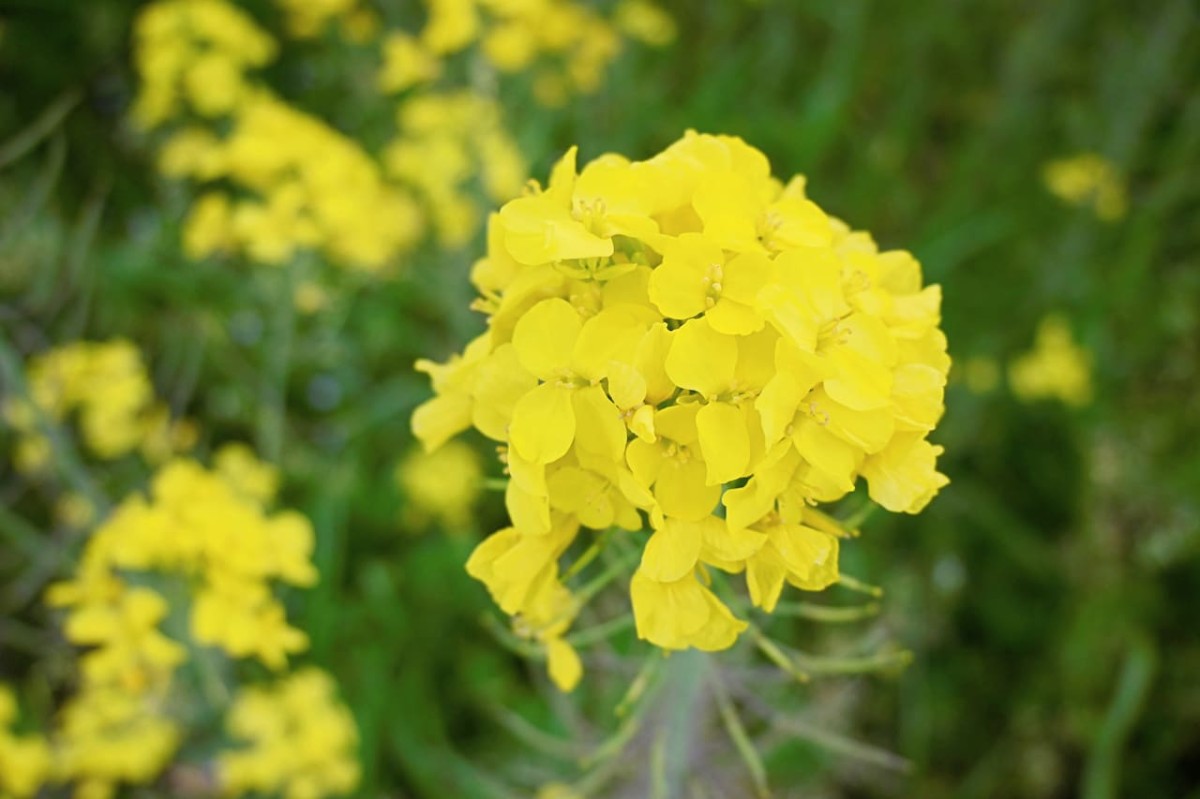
1049 595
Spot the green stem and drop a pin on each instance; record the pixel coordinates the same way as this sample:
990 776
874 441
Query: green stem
1101 777
273 391
682 695
826 613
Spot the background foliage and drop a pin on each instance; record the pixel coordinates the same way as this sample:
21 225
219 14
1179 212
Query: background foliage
1048 594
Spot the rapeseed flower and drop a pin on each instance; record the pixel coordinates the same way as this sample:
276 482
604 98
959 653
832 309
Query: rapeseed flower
689 345
24 759
105 385
440 486
187 572
296 740
1088 180
1056 367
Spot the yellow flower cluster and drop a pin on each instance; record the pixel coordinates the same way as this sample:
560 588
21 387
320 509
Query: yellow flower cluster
307 19
106 384
566 43
276 181
1088 180
444 142
281 180
192 56
197 558
206 527
308 187
24 759
688 340
1056 367
300 740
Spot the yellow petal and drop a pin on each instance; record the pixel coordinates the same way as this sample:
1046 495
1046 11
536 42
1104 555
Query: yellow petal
543 424
724 441
811 556
650 359
612 334
645 461
529 512
584 493
776 405
672 551
499 383
745 276
563 664
729 544
677 286
626 385
903 477
538 230
722 628
439 419
599 429
765 575
917 396
667 614
701 358
734 318
683 492
836 458
729 208
545 336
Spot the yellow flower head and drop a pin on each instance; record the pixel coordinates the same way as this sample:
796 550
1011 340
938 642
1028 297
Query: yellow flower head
106 385
25 761
298 740
687 344
441 485
1088 180
1056 367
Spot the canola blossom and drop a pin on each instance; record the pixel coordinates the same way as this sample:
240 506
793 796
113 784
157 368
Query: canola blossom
441 485
1090 181
179 580
274 181
106 386
1056 367
687 344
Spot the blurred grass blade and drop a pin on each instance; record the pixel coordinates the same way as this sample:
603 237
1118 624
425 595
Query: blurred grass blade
41 127
1101 779
741 740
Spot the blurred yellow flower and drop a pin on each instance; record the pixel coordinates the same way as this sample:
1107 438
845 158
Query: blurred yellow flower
406 63
1056 367
107 386
238 466
1088 180
980 373
25 762
440 486
297 740
310 297
646 22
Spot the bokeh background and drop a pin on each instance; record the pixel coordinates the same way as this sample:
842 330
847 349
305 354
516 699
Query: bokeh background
1048 596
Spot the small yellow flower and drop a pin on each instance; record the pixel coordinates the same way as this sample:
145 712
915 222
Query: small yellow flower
25 760
645 21
1088 180
442 485
1056 367
295 740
